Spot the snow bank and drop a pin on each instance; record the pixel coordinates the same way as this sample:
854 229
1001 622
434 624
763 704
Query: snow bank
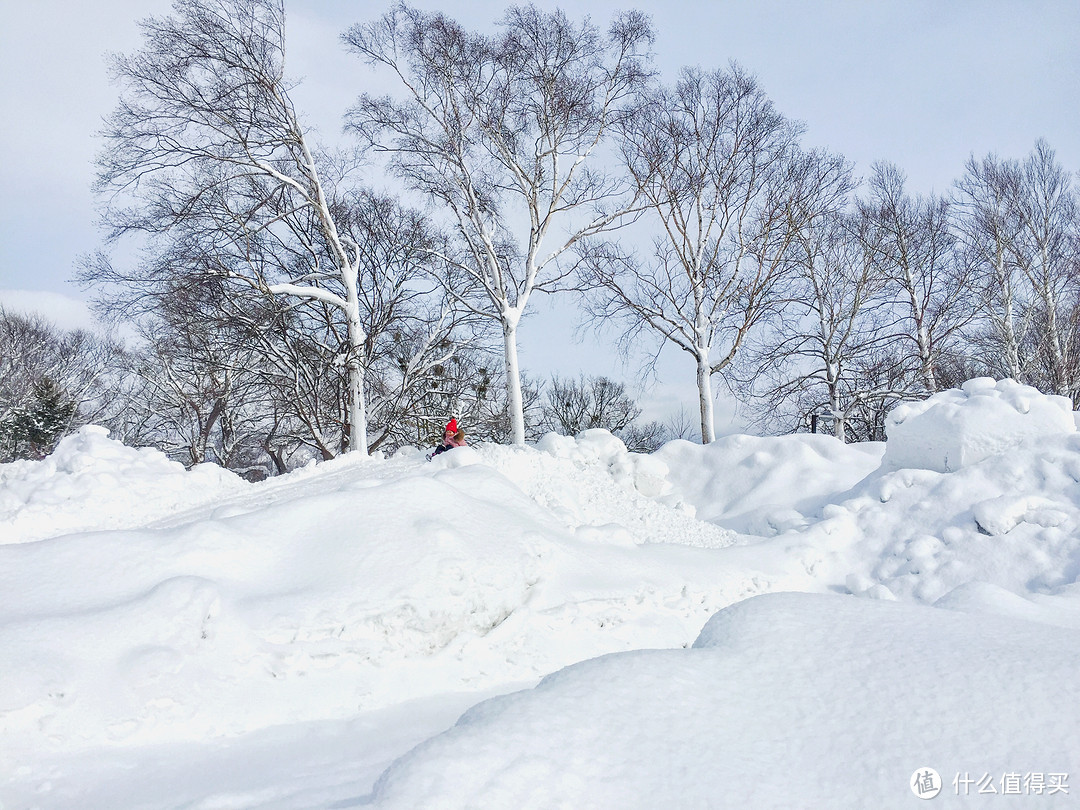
644 473
92 482
787 700
601 491
983 418
292 612
1012 522
764 485
363 587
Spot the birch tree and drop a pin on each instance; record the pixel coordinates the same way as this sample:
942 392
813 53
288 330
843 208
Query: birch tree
206 121
988 222
912 240
1047 251
835 326
286 354
720 171
503 134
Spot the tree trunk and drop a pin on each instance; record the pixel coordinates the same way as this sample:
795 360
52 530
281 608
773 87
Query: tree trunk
357 416
1057 354
839 416
1012 347
705 400
513 379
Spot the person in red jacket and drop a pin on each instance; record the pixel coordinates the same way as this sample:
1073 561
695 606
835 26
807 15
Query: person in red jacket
453 436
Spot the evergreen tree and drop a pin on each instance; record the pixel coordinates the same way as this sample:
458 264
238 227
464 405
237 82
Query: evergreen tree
32 430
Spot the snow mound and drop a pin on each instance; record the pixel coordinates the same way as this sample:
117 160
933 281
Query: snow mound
293 612
596 487
647 474
1011 522
786 700
1062 609
375 583
92 482
960 427
765 485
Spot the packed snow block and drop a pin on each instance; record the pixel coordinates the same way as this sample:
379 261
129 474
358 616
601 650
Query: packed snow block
981 419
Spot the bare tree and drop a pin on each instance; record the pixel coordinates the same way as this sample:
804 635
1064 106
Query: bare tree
1020 222
645 437
288 355
912 240
988 222
681 425
53 381
571 406
191 398
502 132
206 129
811 362
1047 252
721 172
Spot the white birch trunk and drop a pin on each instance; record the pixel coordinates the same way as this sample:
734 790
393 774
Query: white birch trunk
514 402
358 440
838 415
705 400
1061 377
922 337
1012 347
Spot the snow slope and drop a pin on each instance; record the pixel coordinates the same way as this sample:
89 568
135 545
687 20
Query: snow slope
287 640
346 588
723 725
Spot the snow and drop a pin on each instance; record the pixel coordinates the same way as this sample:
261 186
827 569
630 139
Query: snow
980 420
727 724
765 485
765 622
90 482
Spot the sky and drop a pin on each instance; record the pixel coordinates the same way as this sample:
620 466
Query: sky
920 83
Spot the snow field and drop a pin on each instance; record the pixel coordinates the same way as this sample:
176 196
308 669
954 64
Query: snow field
786 700
397 579
152 615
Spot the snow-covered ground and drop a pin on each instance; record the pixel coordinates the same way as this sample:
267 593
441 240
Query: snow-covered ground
762 622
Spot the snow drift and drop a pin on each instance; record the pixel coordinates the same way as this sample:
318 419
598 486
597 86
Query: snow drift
369 584
866 694
147 610
91 482
982 419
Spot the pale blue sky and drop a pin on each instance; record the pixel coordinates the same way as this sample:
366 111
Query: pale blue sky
922 83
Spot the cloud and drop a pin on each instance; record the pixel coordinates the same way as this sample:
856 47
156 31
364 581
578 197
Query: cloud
63 311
